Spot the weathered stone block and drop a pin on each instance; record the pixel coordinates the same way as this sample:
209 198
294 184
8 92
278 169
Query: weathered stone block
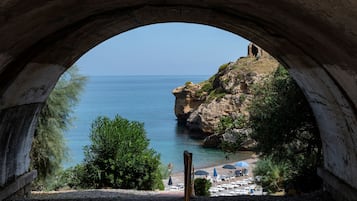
19 188
17 125
337 187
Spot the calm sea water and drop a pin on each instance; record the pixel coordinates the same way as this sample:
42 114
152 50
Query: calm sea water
147 99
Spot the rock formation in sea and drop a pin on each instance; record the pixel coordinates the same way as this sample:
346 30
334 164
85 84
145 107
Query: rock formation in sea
226 95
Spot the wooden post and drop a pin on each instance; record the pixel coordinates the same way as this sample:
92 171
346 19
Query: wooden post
192 181
188 173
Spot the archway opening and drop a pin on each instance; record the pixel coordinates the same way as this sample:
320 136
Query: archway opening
299 41
254 50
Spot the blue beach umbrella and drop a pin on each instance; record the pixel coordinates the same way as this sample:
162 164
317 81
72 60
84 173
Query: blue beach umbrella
201 172
242 164
215 172
229 166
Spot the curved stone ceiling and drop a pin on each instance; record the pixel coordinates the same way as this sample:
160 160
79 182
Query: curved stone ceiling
316 40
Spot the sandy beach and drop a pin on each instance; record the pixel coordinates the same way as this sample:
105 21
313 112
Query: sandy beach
167 195
178 178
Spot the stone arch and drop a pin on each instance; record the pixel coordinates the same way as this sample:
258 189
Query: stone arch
316 40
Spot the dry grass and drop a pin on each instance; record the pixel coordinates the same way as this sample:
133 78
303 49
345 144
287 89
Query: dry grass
261 66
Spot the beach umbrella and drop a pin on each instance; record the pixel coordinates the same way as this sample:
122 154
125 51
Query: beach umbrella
242 164
215 172
170 181
229 166
201 172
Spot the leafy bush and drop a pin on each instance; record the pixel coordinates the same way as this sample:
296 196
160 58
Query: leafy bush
206 88
81 176
119 157
202 186
228 122
272 176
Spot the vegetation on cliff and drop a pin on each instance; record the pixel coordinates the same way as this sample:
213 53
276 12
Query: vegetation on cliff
49 147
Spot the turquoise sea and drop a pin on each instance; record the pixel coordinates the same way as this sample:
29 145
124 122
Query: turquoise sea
146 99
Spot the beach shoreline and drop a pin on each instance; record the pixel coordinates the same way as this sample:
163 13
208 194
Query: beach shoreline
178 177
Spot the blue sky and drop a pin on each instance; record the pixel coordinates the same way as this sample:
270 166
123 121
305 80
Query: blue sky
164 49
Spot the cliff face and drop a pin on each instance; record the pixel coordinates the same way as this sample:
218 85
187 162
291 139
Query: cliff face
186 101
226 94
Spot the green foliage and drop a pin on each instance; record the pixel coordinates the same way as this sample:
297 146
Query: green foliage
164 171
73 176
213 93
232 147
206 88
228 122
272 176
49 148
119 157
188 83
202 186
211 86
242 98
217 93
223 67
64 179
284 126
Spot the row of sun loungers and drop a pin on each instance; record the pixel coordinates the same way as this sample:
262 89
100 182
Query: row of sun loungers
240 187
229 186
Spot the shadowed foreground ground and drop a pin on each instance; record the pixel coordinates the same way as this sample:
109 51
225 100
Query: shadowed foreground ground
130 195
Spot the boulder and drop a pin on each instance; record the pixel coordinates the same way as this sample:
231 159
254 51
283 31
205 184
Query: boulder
186 101
207 115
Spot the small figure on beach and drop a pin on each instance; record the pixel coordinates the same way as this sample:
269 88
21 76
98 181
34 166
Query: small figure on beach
245 171
170 167
170 181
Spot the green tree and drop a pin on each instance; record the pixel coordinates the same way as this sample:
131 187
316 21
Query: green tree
284 126
119 157
49 148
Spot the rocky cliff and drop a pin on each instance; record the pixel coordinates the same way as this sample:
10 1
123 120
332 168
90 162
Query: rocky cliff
226 95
